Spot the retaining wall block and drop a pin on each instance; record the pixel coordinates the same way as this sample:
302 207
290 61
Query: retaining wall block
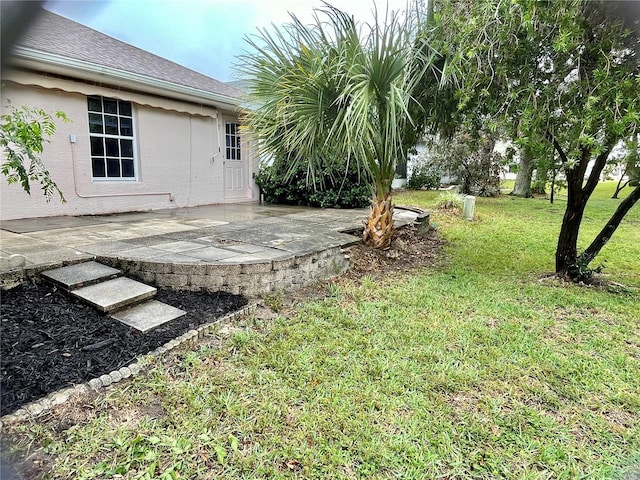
156 267
208 282
286 264
172 280
145 277
223 270
254 268
190 268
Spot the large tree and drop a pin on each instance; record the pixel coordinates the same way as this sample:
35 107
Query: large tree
336 89
569 72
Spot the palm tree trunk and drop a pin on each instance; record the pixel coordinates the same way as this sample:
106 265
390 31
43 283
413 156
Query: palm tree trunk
379 228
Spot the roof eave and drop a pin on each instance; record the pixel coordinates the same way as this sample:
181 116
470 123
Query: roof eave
58 64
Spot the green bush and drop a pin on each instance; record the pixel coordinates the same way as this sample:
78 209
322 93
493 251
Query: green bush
333 190
451 201
424 176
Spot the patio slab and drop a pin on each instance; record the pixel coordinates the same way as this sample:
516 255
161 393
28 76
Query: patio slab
81 274
148 315
114 294
226 235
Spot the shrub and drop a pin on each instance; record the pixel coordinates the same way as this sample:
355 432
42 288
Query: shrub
450 201
425 174
334 190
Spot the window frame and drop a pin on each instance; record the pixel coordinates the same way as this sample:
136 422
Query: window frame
228 143
118 137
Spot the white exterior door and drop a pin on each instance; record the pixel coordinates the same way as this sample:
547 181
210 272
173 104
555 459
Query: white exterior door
234 162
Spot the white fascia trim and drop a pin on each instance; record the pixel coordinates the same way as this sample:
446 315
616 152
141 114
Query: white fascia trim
94 72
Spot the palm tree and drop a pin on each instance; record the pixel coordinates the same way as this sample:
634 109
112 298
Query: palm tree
336 89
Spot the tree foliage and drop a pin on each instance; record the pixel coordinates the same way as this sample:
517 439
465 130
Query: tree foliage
337 186
336 90
23 134
565 74
469 157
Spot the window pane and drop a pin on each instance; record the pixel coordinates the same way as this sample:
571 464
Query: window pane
110 105
111 138
238 155
95 104
113 167
97 166
97 146
125 108
127 168
95 123
228 128
126 127
233 154
228 153
111 145
110 125
126 148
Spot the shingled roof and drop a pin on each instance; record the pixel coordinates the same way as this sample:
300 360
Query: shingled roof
57 35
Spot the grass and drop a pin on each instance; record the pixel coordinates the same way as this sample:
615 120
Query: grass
475 369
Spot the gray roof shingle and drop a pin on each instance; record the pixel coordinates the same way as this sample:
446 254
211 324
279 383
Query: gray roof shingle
58 35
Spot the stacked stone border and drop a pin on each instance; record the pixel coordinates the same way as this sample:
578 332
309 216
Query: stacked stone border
138 367
251 279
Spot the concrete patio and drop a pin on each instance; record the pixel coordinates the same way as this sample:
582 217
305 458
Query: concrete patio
241 248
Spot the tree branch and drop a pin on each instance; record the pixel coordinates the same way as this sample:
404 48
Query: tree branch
557 146
605 234
598 166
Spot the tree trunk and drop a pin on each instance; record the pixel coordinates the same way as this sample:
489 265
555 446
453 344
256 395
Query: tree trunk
567 248
540 183
577 197
522 187
605 234
379 228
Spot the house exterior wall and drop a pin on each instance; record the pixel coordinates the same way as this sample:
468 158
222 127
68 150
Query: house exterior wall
178 158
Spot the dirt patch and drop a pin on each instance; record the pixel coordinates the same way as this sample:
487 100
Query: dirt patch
409 250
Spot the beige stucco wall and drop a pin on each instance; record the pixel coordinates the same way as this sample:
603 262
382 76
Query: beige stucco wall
178 160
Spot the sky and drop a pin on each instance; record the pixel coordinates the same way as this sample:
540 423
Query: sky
204 35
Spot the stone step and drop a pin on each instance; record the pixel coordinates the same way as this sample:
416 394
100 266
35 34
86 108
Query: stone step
114 294
148 315
79 275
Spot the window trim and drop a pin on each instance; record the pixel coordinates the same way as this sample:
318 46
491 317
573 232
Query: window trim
133 137
236 135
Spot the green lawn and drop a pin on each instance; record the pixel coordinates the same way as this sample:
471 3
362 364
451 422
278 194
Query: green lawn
480 368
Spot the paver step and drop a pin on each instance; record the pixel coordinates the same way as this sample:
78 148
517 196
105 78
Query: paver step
114 294
148 315
79 275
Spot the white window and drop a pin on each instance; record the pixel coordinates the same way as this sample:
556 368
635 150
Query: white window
232 137
111 136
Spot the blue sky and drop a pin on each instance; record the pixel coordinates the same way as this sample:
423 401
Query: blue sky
204 35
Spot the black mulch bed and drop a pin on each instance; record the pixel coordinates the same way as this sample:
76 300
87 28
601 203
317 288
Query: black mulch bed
50 341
